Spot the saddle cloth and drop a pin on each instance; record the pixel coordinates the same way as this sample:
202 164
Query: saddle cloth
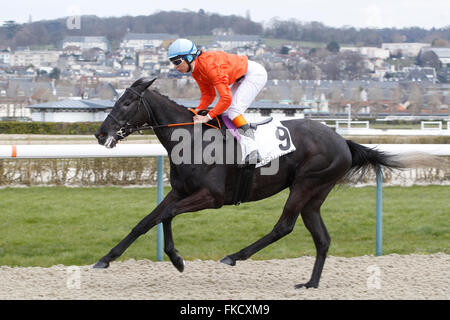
272 140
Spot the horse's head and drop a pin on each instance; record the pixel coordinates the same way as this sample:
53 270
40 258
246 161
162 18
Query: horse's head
128 113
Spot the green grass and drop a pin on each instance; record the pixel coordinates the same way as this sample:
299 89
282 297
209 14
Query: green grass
44 226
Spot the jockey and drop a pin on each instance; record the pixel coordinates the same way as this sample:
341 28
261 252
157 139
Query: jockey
217 70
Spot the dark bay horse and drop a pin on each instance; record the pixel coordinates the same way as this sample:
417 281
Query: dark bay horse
321 160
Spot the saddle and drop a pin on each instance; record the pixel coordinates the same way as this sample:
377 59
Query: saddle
244 175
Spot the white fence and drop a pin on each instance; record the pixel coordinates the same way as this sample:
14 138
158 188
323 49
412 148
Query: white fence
156 149
427 128
80 151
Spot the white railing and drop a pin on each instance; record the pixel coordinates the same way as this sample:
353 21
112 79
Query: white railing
81 151
350 123
424 125
156 149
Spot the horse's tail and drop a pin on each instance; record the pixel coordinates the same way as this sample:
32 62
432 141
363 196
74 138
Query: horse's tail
364 158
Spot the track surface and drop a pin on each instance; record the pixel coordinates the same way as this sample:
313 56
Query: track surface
367 277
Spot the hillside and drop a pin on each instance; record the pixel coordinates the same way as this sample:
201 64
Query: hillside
190 23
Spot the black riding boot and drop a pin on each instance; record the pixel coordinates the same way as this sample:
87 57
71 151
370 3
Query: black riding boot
254 156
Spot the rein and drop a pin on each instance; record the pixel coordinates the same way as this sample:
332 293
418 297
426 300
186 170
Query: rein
128 129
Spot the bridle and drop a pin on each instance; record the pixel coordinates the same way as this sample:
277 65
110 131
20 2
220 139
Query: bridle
129 128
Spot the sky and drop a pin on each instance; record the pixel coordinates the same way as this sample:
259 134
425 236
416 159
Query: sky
334 13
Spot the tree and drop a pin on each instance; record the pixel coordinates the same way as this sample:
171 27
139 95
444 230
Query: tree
11 27
55 73
429 59
333 46
440 43
415 98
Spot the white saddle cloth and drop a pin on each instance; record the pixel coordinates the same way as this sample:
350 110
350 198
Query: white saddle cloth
272 140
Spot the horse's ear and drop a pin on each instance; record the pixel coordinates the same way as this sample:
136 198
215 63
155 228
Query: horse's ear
149 83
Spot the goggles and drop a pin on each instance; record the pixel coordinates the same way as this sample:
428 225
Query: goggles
177 61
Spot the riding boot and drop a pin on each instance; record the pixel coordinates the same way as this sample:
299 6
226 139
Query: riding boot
253 157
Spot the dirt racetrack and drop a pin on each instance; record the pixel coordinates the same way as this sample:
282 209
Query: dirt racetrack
387 277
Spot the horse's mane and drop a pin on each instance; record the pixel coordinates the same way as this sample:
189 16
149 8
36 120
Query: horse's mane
159 95
165 97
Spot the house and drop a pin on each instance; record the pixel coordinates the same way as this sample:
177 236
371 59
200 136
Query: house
442 53
228 42
5 55
141 41
410 49
128 64
71 111
369 52
146 57
35 58
86 43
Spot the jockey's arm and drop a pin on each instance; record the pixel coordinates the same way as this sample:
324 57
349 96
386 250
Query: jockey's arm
208 94
224 102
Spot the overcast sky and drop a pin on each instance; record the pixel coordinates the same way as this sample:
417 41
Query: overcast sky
336 13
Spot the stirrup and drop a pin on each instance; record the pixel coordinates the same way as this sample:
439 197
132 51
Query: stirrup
254 125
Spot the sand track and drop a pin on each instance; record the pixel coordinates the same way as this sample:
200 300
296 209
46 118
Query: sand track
399 277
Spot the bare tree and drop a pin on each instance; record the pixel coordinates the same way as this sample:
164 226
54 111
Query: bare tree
335 100
375 96
415 98
434 102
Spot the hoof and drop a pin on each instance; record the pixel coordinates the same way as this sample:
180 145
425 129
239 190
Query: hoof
228 261
179 263
101 265
307 285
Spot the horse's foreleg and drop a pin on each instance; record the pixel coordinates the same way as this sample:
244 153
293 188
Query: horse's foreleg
142 227
199 200
169 247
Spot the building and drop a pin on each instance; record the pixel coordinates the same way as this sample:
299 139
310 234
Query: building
35 58
86 43
71 111
141 41
228 42
5 56
410 49
369 52
442 53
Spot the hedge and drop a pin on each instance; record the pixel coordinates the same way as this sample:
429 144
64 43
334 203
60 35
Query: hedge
50 128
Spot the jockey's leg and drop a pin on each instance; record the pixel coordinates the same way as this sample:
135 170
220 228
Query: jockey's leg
244 93
248 144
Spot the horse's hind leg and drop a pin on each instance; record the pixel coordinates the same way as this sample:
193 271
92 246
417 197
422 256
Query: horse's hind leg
314 223
298 197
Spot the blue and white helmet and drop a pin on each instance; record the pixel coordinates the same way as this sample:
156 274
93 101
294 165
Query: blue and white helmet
183 48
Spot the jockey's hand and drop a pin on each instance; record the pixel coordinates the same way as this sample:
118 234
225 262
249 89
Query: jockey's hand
200 119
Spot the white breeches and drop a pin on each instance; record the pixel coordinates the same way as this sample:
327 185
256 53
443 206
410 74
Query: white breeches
246 90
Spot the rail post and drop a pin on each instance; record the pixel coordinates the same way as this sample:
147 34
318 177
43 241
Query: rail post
379 213
159 198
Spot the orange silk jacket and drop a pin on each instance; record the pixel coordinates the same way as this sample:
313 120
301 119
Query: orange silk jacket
217 70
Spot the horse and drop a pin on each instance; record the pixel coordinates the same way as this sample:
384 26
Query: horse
322 159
